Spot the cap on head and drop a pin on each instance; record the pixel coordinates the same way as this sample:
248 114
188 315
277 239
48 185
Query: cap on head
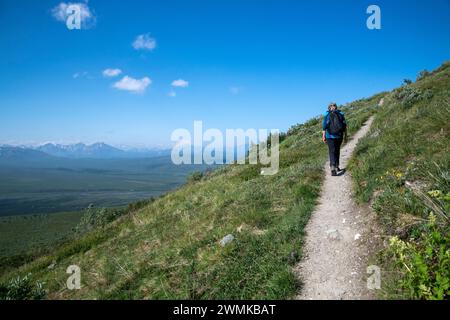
332 105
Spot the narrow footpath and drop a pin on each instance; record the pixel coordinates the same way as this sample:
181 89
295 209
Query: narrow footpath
338 240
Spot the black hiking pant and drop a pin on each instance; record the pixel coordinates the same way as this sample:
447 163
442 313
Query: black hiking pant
334 148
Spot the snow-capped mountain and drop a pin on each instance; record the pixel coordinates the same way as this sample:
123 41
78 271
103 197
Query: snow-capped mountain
10 153
98 150
81 150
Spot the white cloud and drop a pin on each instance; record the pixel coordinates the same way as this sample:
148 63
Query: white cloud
111 72
88 17
144 42
172 94
133 85
180 83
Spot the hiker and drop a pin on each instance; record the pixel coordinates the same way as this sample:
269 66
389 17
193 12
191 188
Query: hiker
334 132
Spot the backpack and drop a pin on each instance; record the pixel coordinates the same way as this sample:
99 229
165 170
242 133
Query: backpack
335 123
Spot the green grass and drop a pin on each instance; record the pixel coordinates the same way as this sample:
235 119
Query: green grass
170 248
402 169
26 232
23 238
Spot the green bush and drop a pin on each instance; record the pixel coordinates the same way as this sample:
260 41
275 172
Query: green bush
304 129
408 95
134 206
424 263
407 81
423 74
98 218
22 288
195 176
95 218
427 94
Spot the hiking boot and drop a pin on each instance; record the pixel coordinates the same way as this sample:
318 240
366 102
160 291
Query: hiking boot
333 171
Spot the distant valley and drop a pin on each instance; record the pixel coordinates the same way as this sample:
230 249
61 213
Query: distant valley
55 178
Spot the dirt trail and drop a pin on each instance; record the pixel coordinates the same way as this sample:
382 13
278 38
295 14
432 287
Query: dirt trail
338 239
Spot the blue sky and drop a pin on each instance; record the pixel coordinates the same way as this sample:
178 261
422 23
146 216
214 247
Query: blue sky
246 63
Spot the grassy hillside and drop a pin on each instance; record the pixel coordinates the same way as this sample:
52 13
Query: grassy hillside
22 233
170 248
26 237
402 169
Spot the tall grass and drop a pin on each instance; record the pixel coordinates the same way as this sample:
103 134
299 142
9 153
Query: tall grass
402 169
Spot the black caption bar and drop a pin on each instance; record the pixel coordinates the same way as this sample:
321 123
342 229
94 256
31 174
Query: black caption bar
192 310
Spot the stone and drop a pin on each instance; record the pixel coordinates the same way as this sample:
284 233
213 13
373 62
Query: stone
226 240
333 234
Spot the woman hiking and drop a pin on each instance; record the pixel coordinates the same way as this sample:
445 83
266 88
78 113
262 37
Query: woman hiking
334 132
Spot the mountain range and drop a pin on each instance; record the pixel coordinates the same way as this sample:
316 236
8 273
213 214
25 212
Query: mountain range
98 150
76 151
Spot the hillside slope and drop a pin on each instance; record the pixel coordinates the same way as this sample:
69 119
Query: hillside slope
402 169
170 248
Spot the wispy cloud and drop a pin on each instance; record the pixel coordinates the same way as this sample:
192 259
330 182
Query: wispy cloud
144 42
235 90
133 85
180 83
172 94
111 72
77 75
88 18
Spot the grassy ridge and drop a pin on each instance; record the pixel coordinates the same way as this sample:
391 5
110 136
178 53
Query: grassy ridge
169 249
402 168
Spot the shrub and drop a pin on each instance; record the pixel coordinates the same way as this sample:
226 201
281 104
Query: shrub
408 95
423 74
281 137
427 95
294 129
134 206
195 176
22 288
424 264
97 217
407 82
